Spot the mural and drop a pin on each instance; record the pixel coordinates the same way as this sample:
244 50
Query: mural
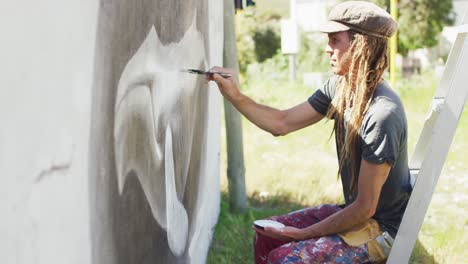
155 100
156 197
110 154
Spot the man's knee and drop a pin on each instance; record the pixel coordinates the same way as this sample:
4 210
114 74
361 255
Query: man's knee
281 254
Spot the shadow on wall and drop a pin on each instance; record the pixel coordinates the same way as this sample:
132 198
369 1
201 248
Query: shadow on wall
148 130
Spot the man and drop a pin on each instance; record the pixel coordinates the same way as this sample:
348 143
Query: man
371 138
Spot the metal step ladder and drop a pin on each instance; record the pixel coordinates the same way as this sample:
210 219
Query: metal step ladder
433 144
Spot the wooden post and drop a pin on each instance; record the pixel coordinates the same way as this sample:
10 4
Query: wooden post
292 56
235 152
393 43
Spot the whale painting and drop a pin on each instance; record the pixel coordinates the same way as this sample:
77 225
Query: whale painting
155 165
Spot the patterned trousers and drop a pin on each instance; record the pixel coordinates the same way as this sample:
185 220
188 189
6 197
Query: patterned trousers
327 249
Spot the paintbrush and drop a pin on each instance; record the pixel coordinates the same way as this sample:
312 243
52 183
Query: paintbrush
200 72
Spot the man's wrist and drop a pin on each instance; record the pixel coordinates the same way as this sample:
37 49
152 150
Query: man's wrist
310 232
238 99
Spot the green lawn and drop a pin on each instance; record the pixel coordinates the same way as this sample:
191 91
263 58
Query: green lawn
298 170
280 7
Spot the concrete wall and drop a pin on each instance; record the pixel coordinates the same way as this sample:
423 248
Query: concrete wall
108 153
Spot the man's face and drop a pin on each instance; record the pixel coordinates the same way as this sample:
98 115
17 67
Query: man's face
338 45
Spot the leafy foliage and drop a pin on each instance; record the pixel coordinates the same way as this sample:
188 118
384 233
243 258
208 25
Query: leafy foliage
267 42
259 43
312 56
420 22
258 36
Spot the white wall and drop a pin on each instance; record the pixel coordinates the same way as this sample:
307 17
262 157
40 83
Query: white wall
47 58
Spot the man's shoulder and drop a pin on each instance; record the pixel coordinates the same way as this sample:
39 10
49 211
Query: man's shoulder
386 107
330 85
386 100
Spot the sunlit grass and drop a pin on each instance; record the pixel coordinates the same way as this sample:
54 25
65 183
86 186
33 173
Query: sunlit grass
298 170
280 7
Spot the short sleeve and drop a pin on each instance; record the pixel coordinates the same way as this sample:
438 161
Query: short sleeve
321 99
381 137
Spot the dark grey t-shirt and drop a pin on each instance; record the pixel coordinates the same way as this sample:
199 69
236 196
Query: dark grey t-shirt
384 137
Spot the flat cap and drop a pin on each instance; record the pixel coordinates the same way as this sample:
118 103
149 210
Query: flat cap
364 17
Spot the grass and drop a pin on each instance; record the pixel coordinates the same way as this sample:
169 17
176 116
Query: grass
299 170
280 7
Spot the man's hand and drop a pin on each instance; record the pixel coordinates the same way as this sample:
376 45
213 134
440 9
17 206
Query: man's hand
227 86
286 234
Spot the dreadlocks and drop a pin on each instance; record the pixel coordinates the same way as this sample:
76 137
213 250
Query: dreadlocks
368 61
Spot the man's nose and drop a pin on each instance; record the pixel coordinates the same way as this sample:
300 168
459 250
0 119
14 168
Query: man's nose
328 49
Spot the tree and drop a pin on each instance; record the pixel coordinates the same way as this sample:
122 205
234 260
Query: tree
420 22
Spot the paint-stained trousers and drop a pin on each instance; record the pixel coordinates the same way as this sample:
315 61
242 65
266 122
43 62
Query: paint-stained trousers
328 249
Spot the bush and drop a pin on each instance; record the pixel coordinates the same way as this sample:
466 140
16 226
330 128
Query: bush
312 56
267 42
257 35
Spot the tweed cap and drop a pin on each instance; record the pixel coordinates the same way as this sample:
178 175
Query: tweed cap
364 17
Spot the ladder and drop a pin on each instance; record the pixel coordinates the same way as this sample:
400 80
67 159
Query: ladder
433 144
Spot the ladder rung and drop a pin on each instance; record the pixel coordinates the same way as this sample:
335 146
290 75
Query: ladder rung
462 28
413 175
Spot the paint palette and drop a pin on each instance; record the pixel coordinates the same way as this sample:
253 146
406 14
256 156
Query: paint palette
261 224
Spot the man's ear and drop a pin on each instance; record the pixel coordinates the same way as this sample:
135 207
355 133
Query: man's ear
351 35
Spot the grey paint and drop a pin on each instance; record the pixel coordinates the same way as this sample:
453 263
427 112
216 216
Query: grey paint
178 100
61 64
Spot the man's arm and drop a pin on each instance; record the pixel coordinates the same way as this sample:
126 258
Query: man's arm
371 179
277 122
370 182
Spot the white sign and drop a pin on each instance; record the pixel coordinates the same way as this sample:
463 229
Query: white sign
289 37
